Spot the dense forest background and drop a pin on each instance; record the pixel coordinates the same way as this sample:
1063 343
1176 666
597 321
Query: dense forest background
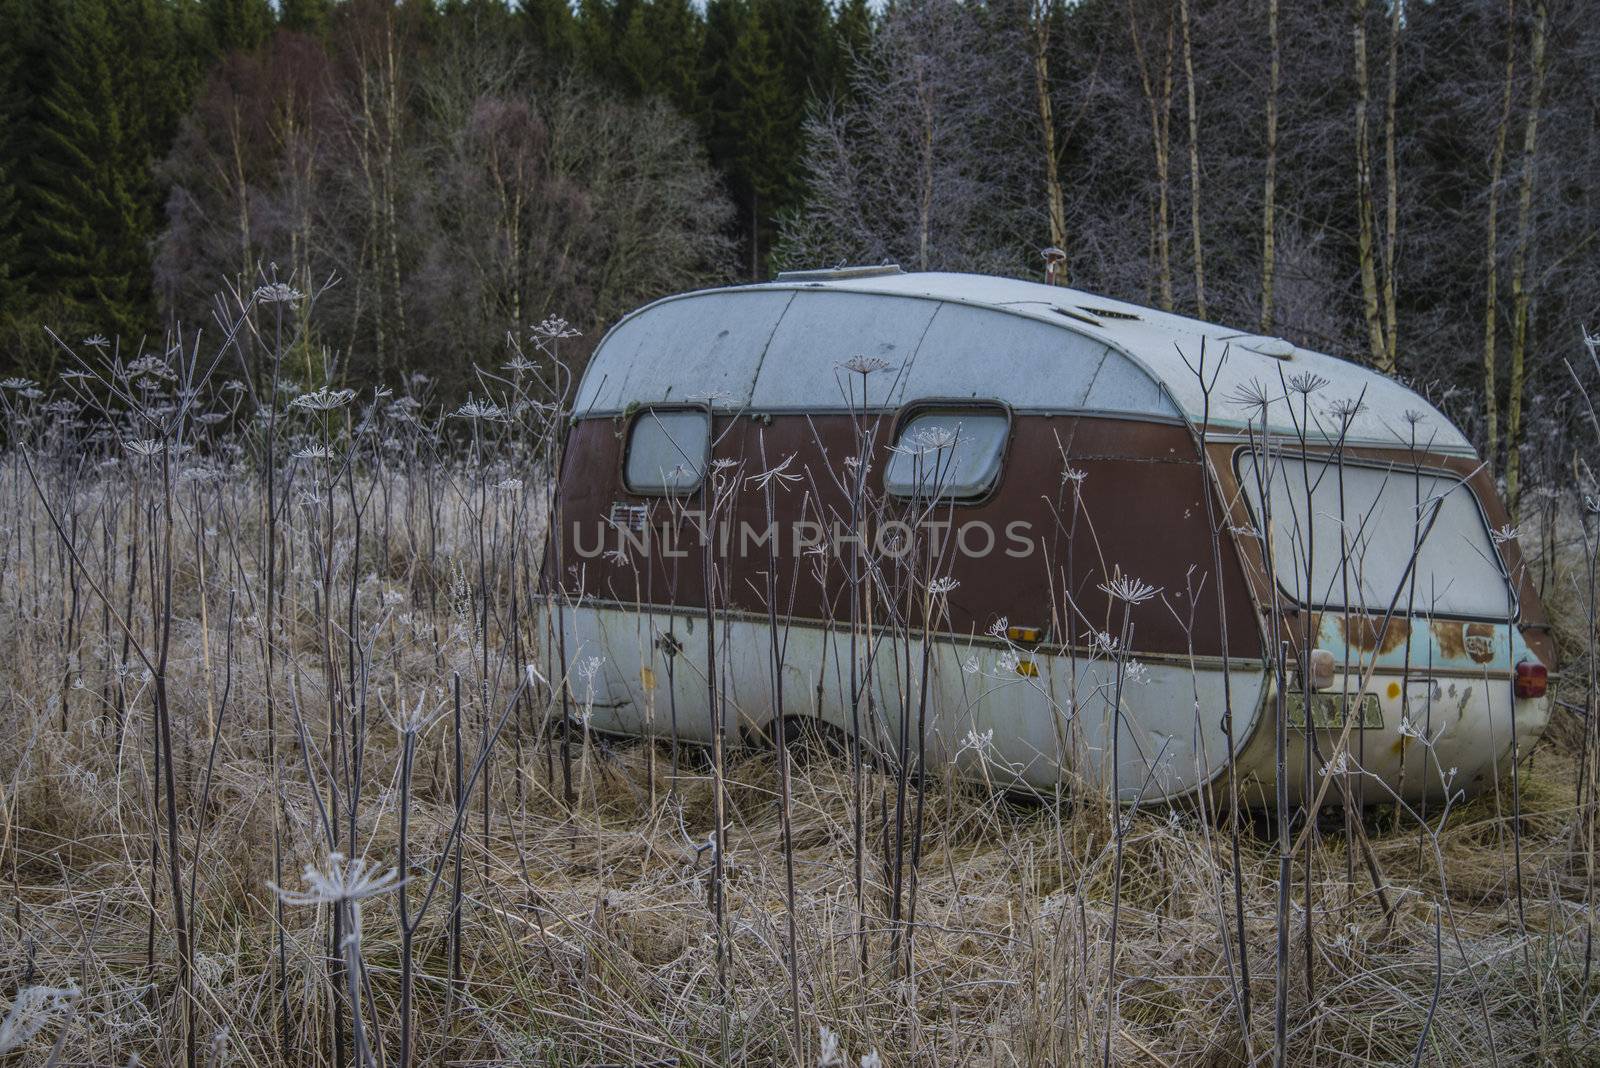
1412 184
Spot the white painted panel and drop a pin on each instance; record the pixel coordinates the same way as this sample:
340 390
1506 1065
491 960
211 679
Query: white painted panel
683 350
995 724
978 353
821 330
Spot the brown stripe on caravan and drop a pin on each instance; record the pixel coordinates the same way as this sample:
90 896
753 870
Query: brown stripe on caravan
1139 509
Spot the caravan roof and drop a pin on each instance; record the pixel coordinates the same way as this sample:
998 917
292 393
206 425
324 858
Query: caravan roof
781 345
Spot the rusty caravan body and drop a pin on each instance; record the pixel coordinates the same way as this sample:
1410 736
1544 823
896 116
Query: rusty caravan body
1003 465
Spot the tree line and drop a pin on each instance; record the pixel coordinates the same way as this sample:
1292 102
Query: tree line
1408 183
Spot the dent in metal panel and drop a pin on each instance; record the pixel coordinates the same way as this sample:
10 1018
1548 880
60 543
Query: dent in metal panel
993 355
821 330
684 350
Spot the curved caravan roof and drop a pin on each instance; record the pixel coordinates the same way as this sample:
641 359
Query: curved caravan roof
778 347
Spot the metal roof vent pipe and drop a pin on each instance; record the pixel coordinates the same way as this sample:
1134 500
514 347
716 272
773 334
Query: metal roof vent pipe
1053 259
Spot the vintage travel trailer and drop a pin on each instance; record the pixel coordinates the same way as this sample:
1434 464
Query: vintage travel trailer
1075 516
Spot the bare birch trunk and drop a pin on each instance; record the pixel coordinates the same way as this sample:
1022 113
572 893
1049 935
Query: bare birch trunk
1369 277
391 135
925 192
1160 126
1519 265
1391 355
1055 201
1194 166
1269 199
241 187
1497 162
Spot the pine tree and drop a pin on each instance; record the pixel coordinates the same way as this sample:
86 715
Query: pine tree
598 30
660 53
747 108
852 34
305 16
239 25
14 103
551 29
89 221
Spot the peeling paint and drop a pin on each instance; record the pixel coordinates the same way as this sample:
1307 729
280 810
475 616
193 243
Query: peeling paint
1480 642
1361 632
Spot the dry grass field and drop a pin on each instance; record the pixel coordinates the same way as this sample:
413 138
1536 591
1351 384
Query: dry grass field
219 687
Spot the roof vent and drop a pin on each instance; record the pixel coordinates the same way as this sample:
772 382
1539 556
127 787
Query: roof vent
1276 347
1107 313
839 274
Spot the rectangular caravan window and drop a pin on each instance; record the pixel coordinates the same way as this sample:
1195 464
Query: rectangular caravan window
953 454
667 451
1386 515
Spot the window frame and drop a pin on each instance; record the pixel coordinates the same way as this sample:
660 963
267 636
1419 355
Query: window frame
911 411
647 411
1415 470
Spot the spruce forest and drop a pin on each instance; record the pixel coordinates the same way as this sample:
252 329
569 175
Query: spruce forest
1410 185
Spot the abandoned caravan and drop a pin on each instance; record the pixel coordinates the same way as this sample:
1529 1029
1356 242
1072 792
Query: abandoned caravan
1038 537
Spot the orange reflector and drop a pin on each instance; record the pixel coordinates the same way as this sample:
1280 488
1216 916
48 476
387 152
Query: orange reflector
1027 668
1532 679
1024 634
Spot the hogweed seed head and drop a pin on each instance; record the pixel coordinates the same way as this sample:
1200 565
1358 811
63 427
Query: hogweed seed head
152 367
1346 408
1505 533
781 475
865 365
553 329
339 881
323 400
480 409
277 293
1252 397
1128 589
1307 383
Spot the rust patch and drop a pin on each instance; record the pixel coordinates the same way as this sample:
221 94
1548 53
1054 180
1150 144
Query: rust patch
1480 642
1452 638
1361 632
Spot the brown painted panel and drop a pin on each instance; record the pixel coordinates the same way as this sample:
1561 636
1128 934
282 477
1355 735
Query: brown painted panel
1036 551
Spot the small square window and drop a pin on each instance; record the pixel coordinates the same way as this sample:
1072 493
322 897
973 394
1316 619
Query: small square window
667 451
952 454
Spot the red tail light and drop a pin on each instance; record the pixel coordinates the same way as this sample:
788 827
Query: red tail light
1532 679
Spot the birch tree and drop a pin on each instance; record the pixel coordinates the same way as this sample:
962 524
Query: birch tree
1519 260
1158 104
1043 16
921 165
1269 194
1491 259
1194 165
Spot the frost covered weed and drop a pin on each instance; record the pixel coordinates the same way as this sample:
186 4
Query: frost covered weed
262 625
